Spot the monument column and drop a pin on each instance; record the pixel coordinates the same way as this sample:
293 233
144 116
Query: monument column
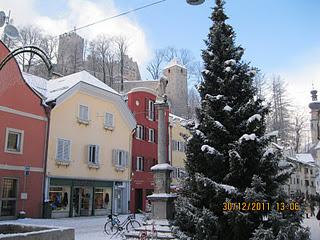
162 201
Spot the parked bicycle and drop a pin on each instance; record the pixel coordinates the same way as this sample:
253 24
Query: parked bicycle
113 225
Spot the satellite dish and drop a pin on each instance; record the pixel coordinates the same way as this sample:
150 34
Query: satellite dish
195 2
2 18
11 32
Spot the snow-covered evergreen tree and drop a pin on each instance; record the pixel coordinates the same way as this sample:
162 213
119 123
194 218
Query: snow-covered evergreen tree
228 156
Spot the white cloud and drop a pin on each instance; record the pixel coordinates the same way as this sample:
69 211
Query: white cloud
80 13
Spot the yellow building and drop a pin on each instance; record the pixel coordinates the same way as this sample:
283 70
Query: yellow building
177 148
89 146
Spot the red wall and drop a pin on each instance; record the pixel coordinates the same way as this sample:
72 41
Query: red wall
16 94
143 179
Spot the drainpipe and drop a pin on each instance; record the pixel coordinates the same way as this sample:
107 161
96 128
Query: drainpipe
48 108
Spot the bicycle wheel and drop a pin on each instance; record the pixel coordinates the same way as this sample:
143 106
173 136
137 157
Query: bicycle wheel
110 228
132 224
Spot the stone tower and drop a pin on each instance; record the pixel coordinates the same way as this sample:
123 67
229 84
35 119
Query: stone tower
177 89
315 117
70 53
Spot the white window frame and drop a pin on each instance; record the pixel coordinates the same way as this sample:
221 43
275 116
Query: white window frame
96 156
139 164
140 132
21 138
80 119
107 123
151 136
63 151
151 110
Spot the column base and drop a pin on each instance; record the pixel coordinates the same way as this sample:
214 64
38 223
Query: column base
162 205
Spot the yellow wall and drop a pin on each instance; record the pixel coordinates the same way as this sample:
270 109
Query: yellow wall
64 125
177 157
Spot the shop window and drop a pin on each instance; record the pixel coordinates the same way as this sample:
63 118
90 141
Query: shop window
59 198
8 201
101 198
14 140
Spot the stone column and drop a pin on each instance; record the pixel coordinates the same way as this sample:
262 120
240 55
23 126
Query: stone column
162 201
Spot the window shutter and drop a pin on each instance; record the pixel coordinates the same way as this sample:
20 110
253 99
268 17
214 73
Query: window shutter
59 155
145 132
146 107
134 163
127 159
66 150
89 153
97 153
155 136
114 157
143 164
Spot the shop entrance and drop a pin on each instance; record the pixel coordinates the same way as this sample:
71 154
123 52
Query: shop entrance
82 201
138 200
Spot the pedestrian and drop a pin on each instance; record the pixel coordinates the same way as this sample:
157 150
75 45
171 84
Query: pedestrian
312 208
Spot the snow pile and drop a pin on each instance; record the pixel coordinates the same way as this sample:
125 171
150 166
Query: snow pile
162 166
253 118
208 149
213 98
227 108
248 137
205 71
219 125
227 69
230 62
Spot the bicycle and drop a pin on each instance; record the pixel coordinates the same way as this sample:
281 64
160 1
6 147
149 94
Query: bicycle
113 225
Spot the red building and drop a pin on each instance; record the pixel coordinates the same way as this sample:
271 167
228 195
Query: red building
141 102
23 124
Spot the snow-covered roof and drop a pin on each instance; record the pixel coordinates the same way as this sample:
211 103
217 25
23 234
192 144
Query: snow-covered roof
174 62
176 118
54 88
305 158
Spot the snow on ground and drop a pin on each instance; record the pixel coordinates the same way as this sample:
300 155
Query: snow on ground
86 228
91 228
314 226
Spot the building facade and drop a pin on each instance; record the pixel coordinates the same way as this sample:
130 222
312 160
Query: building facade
303 180
178 149
141 102
23 127
89 147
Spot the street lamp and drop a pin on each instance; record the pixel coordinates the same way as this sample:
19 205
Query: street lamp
195 2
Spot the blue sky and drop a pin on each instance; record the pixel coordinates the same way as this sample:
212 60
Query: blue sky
280 37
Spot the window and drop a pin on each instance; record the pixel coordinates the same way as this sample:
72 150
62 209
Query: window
101 198
178 146
109 122
93 154
307 183
63 150
311 171
311 183
294 180
59 198
151 135
139 132
139 163
298 181
8 201
14 140
306 170
151 112
83 114
120 159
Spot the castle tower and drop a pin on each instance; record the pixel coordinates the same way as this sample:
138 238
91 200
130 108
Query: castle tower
70 53
315 117
177 89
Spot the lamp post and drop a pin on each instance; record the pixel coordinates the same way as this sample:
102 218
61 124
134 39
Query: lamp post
195 2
